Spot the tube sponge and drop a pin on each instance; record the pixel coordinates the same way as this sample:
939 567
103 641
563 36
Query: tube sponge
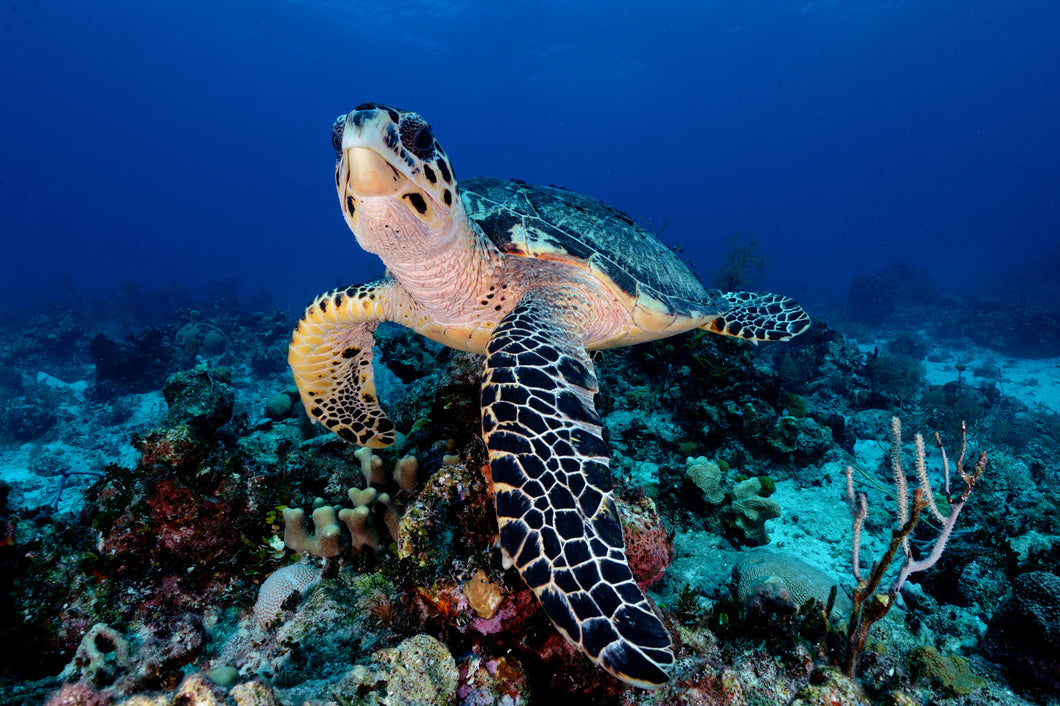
102 655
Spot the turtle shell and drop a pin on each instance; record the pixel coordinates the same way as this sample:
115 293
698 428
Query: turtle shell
553 223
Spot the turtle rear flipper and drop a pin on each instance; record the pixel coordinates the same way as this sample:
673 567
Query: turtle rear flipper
331 358
558 522
759 316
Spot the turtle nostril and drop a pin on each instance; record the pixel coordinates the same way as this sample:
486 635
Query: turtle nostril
336 132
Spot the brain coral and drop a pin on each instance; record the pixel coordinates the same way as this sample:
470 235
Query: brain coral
801 580
281 585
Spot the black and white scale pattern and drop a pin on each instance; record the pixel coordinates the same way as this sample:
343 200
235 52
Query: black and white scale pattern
558 522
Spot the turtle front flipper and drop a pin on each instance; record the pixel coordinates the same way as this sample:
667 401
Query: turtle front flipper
760 316
558 522
331 357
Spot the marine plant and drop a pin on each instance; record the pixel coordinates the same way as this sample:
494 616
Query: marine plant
686 608
909 344
741 260
870 604
795 404
895 375
64 478
138 363
712 362
951 407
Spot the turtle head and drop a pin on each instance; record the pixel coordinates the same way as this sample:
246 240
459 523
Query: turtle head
392 176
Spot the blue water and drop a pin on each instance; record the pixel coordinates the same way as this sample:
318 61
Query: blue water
185 142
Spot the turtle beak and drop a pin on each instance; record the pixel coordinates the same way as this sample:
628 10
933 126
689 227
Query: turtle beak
370 174
376 164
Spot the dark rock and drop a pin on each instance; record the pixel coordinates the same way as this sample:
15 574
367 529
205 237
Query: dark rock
1024 636
137 364
841 433
281 405
201 397
22 420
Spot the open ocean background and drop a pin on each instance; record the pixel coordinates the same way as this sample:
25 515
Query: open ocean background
161 143
167 209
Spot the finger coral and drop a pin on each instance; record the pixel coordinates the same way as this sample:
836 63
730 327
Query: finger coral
371 466
325 541
362 530
406 471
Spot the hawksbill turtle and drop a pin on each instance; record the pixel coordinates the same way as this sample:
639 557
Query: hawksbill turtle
532 277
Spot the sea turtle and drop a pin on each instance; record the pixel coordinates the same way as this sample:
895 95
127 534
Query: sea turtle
533 277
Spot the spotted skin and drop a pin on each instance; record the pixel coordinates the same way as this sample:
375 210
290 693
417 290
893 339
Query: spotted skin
558 522
331 358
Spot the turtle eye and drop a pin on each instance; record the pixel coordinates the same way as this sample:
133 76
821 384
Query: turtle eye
336 133
423 139
417 137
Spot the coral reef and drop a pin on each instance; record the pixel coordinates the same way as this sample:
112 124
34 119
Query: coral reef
282 404
751 509
876 297
100 658
483 595
201 398
324 541
1024 635
496 680
25 419
648 545
172 580
420 670
950 674
199 338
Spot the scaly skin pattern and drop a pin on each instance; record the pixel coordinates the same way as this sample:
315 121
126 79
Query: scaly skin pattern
532 279
558 522
331 359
